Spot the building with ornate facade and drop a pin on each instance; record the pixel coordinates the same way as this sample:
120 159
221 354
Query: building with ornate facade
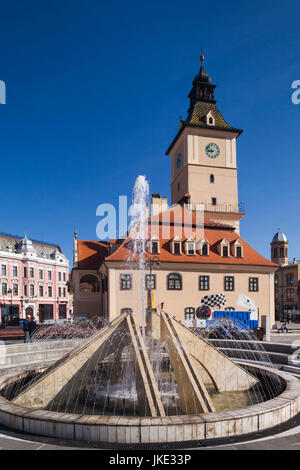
34 279
183 268
287 280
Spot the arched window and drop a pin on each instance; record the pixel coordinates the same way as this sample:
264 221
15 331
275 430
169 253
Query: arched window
174 281
89 284
189 313
212 178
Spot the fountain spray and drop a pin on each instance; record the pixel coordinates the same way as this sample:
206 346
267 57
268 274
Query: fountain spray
138 232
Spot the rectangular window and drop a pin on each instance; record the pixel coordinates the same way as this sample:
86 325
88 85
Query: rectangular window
31 290
25 290
31 272
214 201
41 291
59 292
205 249
191 249
15 289
238 251
189 313
150 282
3 269
59 276
49 275
203 282
253 284
125 281
4 288
229 283
15 271
40 274
49 291
25 271
177 248
154 247
225 251
64 276
64 292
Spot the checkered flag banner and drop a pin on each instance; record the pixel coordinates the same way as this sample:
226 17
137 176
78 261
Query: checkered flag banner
215 300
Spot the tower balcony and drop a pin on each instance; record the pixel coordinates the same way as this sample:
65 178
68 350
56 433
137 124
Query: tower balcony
231 208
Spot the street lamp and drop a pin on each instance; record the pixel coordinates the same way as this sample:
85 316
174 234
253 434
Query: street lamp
149 263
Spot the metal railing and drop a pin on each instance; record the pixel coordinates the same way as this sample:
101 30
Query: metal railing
225 207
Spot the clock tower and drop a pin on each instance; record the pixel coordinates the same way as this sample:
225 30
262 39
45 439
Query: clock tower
203 157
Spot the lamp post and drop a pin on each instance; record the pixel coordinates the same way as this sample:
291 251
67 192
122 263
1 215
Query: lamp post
150 262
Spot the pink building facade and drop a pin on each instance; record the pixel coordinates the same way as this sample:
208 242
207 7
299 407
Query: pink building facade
34 278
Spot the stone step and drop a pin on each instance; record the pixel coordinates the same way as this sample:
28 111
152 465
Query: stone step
22 347
32 356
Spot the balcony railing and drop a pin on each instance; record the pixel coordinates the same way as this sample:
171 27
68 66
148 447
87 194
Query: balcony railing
225 207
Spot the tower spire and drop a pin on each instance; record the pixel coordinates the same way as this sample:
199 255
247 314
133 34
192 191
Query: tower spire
203 89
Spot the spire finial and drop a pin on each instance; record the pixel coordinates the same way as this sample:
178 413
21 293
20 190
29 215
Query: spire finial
201 57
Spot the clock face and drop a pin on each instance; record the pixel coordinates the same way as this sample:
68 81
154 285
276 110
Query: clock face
178 161
212 150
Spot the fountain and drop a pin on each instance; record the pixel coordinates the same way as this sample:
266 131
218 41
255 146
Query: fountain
146 378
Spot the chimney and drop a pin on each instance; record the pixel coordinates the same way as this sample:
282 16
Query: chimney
158 204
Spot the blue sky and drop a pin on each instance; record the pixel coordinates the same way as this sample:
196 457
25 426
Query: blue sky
94 94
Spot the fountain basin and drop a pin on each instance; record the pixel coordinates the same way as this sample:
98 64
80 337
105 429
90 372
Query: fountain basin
150 430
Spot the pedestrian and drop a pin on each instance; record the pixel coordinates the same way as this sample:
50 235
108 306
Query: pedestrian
4 320
32 327
284 328
29 326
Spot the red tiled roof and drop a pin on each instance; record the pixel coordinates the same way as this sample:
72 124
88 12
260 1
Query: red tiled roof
91 254
214 232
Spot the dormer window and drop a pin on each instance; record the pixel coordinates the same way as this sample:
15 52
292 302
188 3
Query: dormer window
176 246
210 120
190 246
225 251
203 247
237 249
223 248
154 247
177 249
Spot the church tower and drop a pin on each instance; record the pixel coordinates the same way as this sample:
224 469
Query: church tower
203 157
